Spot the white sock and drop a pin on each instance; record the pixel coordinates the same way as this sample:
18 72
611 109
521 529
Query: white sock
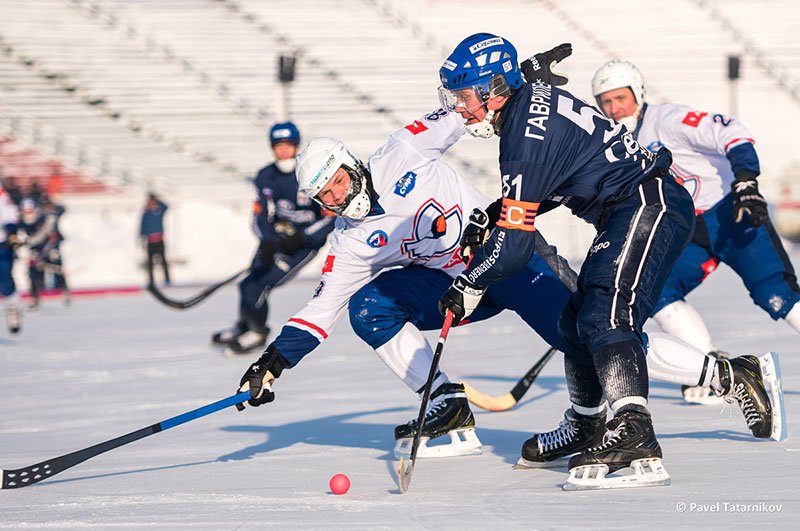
670 359
590 411
409 355
793 317
681 320
628 400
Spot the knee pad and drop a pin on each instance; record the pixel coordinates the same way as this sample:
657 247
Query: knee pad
374 317
774 296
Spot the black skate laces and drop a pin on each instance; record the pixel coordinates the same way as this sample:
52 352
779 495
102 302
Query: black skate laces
560 436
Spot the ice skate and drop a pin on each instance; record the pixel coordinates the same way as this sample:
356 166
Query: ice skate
247 343
553 448
448 414
630 442
741 381
13 320
704 396
771 371
226 335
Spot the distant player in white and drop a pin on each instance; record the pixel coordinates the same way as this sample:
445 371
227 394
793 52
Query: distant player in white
9 221
714 159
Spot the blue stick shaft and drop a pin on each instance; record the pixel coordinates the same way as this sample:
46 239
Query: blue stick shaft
205 410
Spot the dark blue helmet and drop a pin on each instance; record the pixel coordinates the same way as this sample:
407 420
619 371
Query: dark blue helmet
284 132
478 59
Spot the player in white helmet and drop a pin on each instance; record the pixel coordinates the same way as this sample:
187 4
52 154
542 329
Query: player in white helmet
715 160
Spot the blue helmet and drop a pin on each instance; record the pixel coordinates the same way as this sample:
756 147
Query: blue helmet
477 60
284 132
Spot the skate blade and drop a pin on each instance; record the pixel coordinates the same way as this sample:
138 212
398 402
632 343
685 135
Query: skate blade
648 472
462 442
702 396
771 372
524 464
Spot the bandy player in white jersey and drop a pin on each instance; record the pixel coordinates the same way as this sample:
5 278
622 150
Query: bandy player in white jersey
407 208
714 159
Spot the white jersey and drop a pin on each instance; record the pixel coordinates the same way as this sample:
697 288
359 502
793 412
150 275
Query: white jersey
420 213
699 142
9 214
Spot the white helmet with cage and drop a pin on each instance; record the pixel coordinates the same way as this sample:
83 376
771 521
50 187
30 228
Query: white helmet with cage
317 164
619 74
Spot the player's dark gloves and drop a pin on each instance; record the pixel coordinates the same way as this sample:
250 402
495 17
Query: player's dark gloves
291 238
260 375
539 67
747 199
475 233
461 298
266 252
13 240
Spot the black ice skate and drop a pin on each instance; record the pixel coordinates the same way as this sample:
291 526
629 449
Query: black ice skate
247 343
552 449
13 320
630 442
741 380
225 336
448 414
704 396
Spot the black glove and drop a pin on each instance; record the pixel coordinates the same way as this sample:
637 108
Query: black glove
291 238
266 252
475 233
747 198
540 66
260 375
461 298
14 241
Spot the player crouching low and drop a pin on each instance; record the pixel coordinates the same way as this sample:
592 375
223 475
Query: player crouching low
592 447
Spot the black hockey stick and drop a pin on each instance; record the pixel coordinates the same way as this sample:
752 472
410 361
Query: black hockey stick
509 400
22 477
403 472
196 299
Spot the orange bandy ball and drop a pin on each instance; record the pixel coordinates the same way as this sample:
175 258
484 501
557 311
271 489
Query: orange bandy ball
340 484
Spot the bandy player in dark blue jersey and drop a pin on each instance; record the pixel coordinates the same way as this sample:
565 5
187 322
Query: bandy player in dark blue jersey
556 149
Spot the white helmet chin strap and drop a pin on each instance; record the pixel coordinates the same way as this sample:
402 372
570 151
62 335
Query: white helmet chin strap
484 128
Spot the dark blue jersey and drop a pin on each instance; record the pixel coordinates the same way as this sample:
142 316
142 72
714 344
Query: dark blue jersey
279 200
554 149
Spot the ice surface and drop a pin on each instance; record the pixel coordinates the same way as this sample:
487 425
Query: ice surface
108 365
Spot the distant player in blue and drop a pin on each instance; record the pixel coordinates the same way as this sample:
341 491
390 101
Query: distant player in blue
291 229
555 149
151 231
9 222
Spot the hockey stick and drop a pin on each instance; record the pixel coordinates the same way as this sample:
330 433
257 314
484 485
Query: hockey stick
22 477
196 299
403 472
509 400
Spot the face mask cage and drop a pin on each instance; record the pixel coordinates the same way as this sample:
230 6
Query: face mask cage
358 185
471 98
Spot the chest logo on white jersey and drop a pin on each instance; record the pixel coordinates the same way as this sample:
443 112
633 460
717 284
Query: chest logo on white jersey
436 232
377 239
405 184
